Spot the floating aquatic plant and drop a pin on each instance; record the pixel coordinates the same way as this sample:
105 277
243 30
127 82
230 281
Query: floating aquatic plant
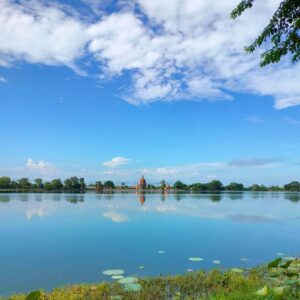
128 280
237 270
161 252
36 295
113 272
244 259
117 277
216 262
141 267
195 258
133 287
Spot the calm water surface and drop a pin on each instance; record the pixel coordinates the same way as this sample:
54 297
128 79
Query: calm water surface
49 240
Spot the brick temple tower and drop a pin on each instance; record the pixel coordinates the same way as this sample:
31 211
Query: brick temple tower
142 183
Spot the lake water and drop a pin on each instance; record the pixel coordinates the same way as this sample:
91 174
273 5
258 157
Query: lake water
50 240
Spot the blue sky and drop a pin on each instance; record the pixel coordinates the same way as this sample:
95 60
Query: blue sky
119 89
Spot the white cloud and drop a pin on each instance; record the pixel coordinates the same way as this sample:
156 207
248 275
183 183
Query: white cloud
41 166
115 217
2 80
186 50
38 33
291 121
254 119
117 161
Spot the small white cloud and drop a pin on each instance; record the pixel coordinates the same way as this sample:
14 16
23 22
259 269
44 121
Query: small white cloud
115 217
117 161
2 80
292 121
41 165
254 119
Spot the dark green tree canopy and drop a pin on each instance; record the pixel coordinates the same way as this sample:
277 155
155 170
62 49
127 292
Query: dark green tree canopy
109 184
282 32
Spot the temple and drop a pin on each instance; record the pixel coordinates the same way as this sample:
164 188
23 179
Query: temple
142 184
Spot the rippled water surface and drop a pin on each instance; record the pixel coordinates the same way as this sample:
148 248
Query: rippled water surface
49 240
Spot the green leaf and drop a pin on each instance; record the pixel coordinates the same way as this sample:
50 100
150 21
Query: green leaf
263 292
278 291
290 282
36 295
274 263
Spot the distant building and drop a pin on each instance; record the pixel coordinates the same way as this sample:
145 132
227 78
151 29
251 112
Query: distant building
167 188
142 184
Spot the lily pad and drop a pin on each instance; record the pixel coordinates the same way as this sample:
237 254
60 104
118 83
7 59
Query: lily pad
244 259
274 263
161 252
190 270
216 262
113 272
289 258
117 277
290 282
280 254
195 258
142 267
128 280
133 287
237 270
36 295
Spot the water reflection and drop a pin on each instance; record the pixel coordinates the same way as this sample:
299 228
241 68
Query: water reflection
293 197
142 196
74 198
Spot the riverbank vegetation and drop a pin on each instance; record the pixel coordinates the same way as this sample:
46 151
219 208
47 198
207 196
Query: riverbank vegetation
78 185
278 280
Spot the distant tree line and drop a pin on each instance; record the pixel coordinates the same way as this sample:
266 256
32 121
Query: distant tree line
70 184
217 185
78 184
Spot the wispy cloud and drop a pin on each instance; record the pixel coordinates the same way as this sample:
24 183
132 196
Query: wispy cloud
255 162
292 121
2 80
254 119
117 161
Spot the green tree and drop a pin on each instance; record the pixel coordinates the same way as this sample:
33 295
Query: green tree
5 182
82 184
72 183
234 186
215 185
198 187
38 183
56 185
178 185
282 33
24 183
293 186
163 184
109 184
48 186
258 188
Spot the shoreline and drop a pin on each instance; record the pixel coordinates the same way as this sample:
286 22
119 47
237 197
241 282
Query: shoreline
279 279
